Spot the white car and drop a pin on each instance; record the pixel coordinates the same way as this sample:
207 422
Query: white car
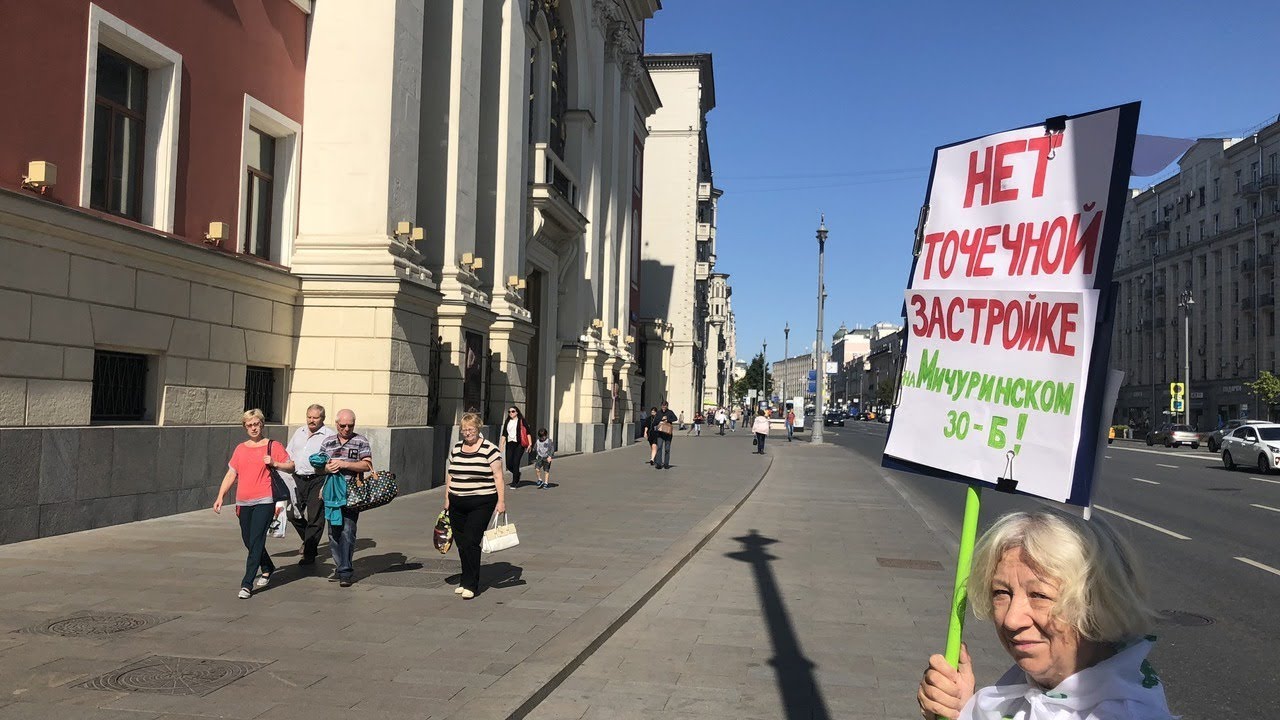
1255 446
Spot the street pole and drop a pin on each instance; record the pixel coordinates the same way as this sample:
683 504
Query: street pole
764 370
816 438
1186 301
786 364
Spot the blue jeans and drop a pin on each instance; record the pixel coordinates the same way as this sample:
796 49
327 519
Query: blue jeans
760 442
663 458
790 429
342 543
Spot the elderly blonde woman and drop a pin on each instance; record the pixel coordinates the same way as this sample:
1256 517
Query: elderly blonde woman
473 492
249 469
1070 608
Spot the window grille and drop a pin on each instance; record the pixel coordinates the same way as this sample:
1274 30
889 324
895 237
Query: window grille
119 387
260 391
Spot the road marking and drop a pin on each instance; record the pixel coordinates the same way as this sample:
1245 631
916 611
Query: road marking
1277 482
1175 467
1167 453
1266 507
1149 482
1143 523
1256 564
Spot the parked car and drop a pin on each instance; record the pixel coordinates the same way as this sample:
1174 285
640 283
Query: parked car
1174 436
833 417
1215 438
1254 445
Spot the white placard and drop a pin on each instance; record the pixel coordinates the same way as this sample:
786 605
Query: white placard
1004 305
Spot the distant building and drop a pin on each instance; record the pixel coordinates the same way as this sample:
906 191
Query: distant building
678 250
1211 231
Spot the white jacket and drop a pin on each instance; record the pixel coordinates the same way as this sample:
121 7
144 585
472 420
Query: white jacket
760 425
1124 686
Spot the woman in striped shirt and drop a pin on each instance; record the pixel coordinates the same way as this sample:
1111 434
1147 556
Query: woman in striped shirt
473 492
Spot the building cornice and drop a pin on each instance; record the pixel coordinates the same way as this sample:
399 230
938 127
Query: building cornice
699 61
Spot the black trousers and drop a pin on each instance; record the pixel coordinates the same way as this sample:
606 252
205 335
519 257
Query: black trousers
254 521
311 527
515 453
470 516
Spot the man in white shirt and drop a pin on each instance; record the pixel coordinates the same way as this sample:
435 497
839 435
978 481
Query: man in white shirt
305 443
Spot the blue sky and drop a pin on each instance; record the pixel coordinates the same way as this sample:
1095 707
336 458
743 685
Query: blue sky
837 106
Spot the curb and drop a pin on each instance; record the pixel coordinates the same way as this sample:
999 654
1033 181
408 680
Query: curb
523 688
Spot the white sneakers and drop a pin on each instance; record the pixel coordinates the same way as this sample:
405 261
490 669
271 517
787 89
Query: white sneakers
244 594
467 594
458 590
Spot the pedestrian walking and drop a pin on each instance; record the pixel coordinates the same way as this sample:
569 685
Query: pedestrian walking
1069 605
348 456
791 423
664 428
473 492
651 433
733 419
515 431
250 470
543 451
696 428
760 426
722 419
306 441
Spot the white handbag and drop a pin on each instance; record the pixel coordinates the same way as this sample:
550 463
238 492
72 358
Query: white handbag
500 535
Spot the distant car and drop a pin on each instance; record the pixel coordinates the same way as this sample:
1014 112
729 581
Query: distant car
1174 436
1215 439
1256 445
833 417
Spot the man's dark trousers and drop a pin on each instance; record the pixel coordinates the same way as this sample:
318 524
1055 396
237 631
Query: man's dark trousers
311 527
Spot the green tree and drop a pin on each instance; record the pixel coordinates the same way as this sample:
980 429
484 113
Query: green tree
884 392
751 381
1267 387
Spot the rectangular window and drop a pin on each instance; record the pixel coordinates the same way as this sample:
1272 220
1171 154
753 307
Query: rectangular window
119 387
119 130
261 157
1237 217
1200 192
1239 182
1216 228
260 391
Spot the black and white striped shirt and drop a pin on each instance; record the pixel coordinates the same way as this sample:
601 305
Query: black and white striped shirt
471 473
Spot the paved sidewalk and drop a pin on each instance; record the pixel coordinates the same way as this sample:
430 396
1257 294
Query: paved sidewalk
141 621
822 597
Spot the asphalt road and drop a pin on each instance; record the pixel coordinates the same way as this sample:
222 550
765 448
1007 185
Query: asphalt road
1208 538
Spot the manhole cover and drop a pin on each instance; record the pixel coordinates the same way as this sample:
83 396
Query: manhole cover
163 675
415 573
909 564
97 624
1184 619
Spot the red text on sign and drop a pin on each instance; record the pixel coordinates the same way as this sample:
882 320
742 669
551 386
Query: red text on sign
1056 246
987 176
1030 324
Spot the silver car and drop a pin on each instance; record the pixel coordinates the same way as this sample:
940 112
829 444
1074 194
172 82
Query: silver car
1215 438
1173 436
1252 446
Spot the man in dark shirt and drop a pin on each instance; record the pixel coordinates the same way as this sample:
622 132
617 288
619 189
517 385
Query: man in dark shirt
664 425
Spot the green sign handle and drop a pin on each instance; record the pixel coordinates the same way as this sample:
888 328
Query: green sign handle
964 561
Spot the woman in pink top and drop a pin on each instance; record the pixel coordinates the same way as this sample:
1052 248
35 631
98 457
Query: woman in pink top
249 469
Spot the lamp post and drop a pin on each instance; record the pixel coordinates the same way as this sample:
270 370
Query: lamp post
764 371
816 437
1186 302
786 363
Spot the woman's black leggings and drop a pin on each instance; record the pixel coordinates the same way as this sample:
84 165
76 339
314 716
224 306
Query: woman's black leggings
469 516
515 453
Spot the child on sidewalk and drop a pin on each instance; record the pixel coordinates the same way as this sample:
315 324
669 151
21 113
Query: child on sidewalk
542 454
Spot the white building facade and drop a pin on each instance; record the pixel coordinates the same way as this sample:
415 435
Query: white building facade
684 346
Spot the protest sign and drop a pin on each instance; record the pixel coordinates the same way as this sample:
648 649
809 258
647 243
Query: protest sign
1007 311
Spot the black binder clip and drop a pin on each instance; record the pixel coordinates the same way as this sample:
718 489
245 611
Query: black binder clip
924 217
1006 483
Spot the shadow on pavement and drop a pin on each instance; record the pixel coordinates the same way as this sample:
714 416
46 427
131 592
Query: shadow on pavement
793 671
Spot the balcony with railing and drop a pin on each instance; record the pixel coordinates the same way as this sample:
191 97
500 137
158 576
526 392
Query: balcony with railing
1159 229
1251 188
1270 181
554 189
1266 300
